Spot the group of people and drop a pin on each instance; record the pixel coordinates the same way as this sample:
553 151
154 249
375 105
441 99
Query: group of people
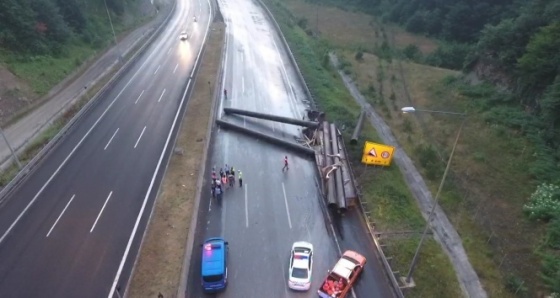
227 177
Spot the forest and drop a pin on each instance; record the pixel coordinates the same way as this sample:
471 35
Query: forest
513 47
44 27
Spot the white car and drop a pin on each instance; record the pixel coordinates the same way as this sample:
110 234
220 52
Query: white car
184 35
301 266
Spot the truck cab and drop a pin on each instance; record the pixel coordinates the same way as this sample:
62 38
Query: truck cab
214 264
342 277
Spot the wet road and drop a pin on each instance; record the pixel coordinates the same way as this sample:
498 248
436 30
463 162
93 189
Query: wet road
273 209
72 229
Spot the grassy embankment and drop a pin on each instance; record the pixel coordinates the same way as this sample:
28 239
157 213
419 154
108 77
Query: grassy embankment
44 72
160 262
488 186
394 209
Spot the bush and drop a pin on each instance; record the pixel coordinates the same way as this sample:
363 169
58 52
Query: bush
544 203
553 234
515 284
551 271
428 158
449 55
359 56
412 52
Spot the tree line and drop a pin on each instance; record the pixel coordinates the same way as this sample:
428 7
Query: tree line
46 26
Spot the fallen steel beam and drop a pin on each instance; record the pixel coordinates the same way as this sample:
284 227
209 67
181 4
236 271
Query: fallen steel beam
358 128
347 177
340 199
329 181
270 139
293 121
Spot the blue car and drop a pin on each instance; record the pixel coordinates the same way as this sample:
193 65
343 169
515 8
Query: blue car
214 264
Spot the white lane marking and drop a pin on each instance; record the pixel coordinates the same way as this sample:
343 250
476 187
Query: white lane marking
137 141
161 95
169 51
72 152
287 208
242 85
220 109
114 134
287 78
133 233
246 208
210 206
101 211
174 69
56 221
139 97
157 69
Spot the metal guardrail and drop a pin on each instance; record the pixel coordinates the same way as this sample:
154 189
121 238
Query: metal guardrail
34 162
290 54
388 270
184 286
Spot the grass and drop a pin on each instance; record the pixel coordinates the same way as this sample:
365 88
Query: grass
394 208
488 184
44 72
161 257
334 24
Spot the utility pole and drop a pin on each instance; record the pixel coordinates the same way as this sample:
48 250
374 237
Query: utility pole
112 29
14 155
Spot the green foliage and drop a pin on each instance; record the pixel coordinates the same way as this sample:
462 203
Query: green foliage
544 203
551 271
45 27
539 64
553 234
449 55
359 56
412 52
428 157
515 284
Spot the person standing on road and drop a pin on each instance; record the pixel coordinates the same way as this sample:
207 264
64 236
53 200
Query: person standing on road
225 93
240 179
285 164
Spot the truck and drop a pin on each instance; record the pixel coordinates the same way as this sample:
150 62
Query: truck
341 278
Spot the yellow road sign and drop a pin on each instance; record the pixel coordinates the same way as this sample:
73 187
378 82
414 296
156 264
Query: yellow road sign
377 154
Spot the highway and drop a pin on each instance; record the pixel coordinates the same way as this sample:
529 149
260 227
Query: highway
72 229
273 209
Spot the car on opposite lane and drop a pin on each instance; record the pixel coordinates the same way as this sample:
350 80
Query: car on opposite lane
184 35
301 266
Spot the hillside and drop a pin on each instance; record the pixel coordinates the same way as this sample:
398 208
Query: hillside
502 194
42 42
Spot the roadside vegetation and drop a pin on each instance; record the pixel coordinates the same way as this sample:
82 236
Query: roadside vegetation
502 194
42 42
394 208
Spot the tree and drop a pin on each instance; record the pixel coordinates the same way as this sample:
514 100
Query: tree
47 12
17 26
539 65
72 14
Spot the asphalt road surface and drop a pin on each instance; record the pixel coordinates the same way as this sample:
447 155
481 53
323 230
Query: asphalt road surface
73 228
273 209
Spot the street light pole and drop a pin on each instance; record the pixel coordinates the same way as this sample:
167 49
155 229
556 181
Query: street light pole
113 30
14 155
417 253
